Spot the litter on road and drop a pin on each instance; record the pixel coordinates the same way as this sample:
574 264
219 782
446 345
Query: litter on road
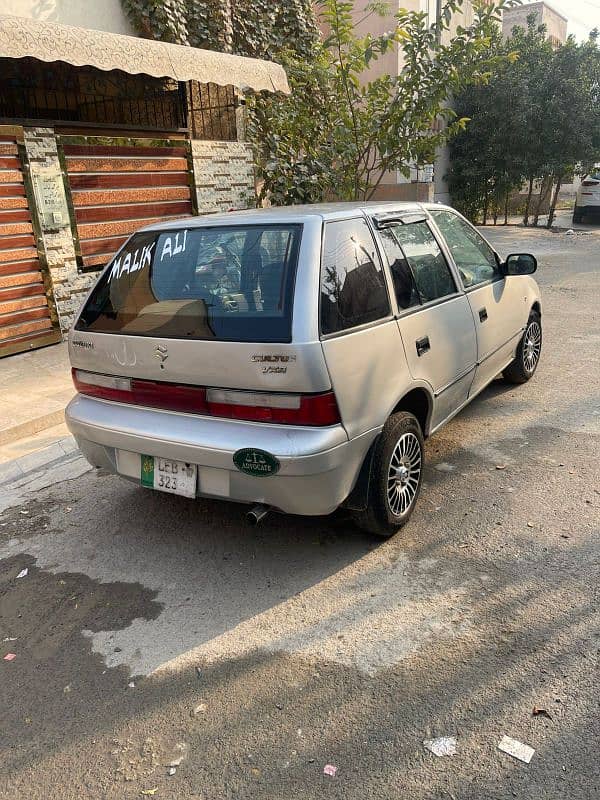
442 746
23 573
10 639
10 657
179 754
171 771
131 685
200 708
516 749
540 712
150 791
443 466
330 770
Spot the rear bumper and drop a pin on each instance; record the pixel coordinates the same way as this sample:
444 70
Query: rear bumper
319 466
590 204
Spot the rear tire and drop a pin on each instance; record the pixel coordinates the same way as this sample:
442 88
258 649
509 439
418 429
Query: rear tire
577 215
528 352
396 476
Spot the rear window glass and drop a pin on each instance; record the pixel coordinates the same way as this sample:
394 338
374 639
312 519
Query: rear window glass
353 290
231 283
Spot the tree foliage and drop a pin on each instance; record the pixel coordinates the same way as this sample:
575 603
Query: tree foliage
257 28
536 120
339 132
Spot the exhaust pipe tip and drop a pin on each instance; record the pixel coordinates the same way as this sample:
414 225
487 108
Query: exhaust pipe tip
257 514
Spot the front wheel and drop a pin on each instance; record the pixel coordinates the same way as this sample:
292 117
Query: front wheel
396 476
528 352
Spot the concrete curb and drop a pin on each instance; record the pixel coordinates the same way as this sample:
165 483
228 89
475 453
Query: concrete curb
32 426
24 465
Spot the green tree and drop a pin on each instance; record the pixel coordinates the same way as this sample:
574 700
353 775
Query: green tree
572 113
338 134
536 120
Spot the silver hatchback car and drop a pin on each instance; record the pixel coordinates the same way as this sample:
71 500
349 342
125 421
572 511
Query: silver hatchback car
296 358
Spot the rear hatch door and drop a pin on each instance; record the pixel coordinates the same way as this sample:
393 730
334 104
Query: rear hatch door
201 305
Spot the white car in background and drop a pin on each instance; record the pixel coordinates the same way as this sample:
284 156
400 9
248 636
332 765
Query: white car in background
588 196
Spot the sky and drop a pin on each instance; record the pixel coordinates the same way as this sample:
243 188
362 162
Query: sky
583 15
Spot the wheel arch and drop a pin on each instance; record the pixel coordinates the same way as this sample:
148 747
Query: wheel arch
537 307
417 401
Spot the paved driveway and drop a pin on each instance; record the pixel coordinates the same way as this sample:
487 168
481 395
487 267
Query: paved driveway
302 642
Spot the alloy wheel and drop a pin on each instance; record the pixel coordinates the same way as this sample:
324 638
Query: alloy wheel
532 346
404 474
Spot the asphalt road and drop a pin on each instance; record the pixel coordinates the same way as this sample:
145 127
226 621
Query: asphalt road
304 642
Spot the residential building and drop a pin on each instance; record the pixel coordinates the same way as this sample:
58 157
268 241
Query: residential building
544 13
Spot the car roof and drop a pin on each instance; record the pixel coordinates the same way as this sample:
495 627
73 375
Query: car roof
289 214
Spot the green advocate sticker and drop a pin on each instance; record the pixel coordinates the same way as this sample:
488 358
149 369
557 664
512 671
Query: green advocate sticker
256 462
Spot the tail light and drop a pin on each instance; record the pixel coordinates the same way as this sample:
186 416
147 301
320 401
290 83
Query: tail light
590 183
316 410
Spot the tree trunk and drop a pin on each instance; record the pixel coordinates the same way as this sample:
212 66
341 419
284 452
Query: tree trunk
540 200
506 208
486 203
528 203
552 209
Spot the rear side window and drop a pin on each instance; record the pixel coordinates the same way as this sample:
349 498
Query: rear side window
424 263
353 290
227 283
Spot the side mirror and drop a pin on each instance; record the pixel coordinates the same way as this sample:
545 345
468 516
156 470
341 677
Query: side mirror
520 264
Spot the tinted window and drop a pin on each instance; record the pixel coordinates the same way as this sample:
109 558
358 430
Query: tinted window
405 286
472 255
431 274
228 283
353 289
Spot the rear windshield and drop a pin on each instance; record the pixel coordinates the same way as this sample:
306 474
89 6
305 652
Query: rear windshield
227 283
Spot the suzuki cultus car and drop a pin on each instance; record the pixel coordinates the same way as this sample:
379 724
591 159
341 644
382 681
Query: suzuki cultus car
296 358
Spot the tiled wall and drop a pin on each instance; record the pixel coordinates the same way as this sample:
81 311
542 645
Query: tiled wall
223 179
223 174
69 286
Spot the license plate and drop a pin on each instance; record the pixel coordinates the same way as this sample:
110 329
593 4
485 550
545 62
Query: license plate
165 475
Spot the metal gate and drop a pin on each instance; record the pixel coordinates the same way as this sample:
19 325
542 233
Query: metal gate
27 315
120 184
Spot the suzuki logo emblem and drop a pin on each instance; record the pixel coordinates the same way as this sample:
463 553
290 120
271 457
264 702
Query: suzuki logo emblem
162 353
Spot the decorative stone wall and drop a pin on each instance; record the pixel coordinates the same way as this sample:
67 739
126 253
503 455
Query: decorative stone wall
69 286
223 175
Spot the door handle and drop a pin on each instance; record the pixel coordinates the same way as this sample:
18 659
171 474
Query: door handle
423 345
482 314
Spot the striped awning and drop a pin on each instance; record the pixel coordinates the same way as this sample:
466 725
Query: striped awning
48 41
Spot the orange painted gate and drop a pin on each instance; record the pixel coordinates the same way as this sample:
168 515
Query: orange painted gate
120 184
27 315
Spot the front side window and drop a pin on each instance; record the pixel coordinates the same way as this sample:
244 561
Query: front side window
472 255
418 266
227 283
353 290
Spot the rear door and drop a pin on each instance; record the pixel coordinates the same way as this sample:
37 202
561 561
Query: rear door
435 319
499 305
